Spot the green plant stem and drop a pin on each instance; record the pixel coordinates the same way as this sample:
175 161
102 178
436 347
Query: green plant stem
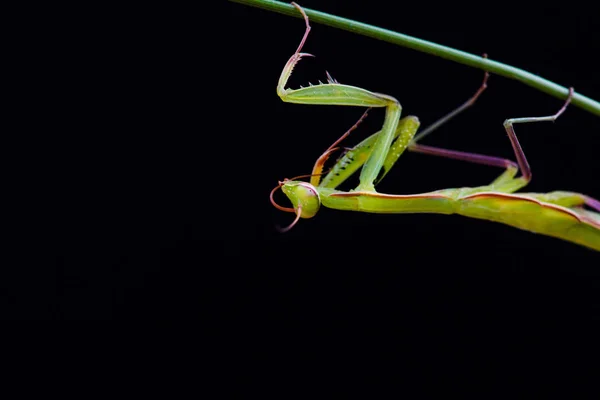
449 53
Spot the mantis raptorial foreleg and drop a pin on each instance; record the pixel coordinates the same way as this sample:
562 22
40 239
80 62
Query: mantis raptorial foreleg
333 93
315 177
404 137
355 157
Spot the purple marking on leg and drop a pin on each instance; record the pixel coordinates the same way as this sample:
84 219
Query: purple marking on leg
519 154
463 156
591 202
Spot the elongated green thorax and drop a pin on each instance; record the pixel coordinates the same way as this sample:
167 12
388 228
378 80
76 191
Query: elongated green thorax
557 214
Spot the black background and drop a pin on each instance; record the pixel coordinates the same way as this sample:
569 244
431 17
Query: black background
160 134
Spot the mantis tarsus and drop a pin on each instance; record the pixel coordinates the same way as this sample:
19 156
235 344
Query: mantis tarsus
558 214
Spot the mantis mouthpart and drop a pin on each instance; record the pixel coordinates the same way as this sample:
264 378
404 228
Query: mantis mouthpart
558 214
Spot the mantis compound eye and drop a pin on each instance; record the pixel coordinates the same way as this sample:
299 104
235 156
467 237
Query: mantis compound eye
304 197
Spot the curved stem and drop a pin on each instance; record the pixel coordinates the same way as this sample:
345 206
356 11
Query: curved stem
449 53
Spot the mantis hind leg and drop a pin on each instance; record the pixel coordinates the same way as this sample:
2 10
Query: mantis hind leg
506 182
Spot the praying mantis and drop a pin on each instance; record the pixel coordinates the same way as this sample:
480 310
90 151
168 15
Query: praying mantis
558 214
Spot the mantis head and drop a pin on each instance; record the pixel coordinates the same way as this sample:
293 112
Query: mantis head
304 197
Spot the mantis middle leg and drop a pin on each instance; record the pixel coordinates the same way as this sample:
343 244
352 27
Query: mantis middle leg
506 182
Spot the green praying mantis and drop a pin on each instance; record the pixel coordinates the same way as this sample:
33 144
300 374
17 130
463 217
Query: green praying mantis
559 214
